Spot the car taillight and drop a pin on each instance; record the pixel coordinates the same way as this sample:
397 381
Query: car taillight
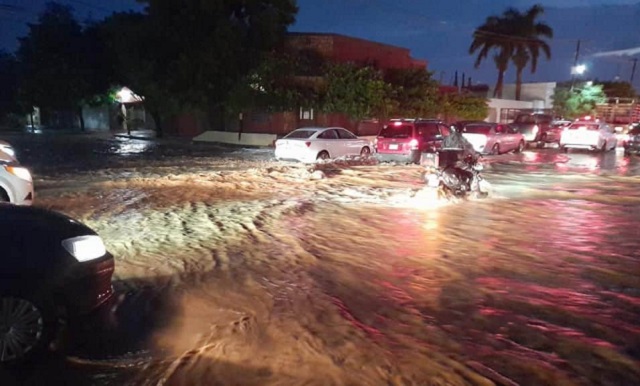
413 143
535 129
308 143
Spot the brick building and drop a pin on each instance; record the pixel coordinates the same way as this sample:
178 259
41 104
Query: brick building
345 49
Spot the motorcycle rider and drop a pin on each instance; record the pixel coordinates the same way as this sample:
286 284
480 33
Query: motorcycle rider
468 156
455 140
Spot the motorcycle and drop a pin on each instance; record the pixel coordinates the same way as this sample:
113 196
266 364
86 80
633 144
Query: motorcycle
455 174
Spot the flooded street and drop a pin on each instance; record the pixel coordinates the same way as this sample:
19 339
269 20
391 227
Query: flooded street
235 269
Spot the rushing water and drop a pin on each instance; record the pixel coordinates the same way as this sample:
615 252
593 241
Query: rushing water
236 270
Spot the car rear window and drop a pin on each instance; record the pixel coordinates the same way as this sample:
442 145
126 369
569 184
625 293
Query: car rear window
392 131
477 129
428 130
587 126
300 134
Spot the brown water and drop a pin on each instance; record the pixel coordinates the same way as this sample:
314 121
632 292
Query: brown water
257 275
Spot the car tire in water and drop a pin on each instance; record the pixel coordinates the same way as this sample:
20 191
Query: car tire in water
27 327
323 155
365 152
495 150
521 147
4 197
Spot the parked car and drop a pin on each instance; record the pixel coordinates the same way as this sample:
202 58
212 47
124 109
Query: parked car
7 152
588 133
632 142
623 132
310 144
403 140
53 268
537 128
492 138
16 184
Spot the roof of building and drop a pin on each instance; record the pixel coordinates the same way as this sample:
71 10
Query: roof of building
344 36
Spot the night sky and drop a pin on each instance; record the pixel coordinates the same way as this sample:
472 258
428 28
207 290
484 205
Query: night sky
436 30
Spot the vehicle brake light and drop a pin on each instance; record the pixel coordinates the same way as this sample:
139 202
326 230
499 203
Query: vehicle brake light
535 129
413 143
308 143
397 123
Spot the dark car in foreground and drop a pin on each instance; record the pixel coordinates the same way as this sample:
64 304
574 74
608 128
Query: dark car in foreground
403 140
53 268
632 141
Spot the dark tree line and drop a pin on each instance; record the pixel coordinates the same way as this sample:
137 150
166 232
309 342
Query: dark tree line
181 56
222 56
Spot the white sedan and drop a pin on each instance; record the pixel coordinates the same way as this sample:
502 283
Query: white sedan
16 184
7 153
588 134
310 144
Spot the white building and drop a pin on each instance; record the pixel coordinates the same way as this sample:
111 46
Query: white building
533 97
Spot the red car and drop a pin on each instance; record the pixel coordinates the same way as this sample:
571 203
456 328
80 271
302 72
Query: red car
403 140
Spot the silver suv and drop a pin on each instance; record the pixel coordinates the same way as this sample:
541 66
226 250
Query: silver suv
537 128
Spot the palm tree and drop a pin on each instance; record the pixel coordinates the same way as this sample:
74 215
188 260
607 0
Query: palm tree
509 35
520 59
530 43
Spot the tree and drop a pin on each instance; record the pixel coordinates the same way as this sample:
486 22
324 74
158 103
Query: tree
359 92
413 93
512 36
462 106
62 66
141 63
520 60
283 81
529 42
207 47
581 100
617 89
9 71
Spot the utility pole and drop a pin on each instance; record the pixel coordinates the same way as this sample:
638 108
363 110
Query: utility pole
575 65
633 70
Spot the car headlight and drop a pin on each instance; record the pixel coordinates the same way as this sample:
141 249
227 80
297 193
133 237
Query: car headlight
8 149
20 172
85 248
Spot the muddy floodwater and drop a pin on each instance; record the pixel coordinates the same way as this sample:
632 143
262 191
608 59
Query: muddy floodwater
235 269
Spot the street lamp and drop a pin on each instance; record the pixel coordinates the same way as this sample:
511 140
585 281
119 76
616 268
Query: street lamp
579 69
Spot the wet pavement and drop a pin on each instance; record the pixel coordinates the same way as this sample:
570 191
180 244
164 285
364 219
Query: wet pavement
234 269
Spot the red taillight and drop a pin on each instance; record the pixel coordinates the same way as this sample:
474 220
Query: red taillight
413 143
397 123
308 143
535 129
